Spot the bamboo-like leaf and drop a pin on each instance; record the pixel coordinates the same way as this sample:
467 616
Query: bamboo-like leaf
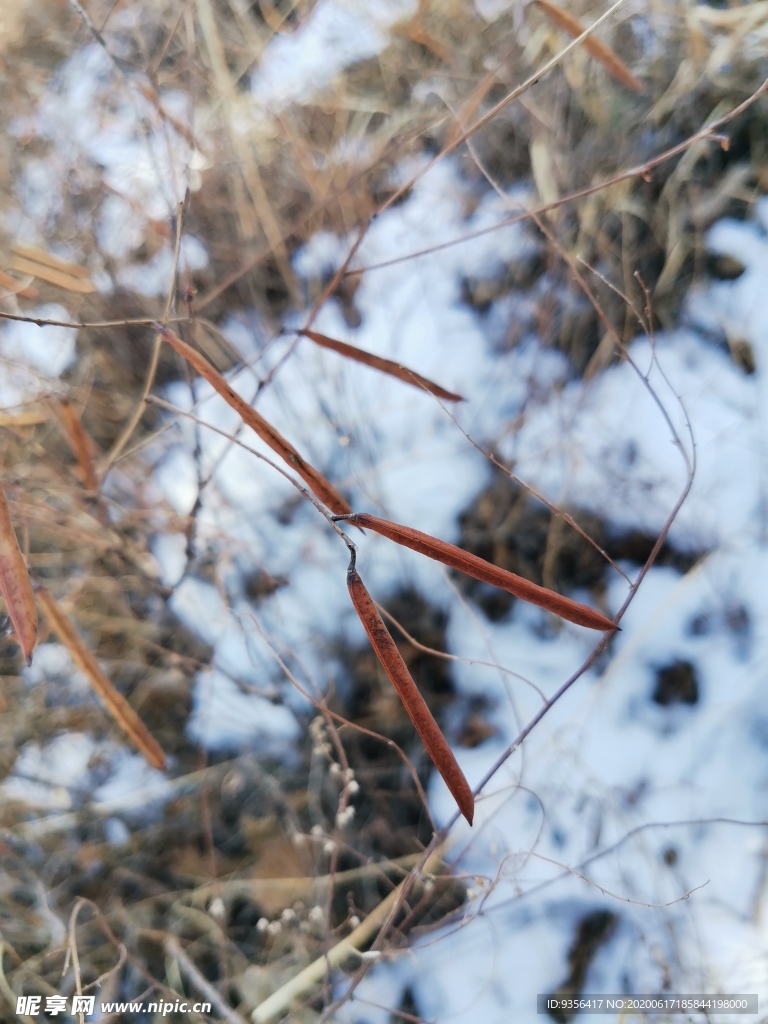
117 706
79 440
594 47
383 365
413 702
70 282
27 418
317 483
37 255
16 584
487 572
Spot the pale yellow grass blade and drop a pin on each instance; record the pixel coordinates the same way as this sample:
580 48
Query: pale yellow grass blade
47 259
70 282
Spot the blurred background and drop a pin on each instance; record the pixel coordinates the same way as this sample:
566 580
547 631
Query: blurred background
242 169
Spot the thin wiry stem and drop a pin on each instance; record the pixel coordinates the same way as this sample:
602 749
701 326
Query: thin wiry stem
138 412
708 131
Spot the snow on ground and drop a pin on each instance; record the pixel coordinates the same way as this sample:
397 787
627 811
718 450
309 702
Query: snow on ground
644 800
335 35
73 768
631 793
616 801
105 131
31 359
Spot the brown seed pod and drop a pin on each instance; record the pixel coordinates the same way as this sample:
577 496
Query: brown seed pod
116 704
387 366
79 441
16 585
487 572
413 702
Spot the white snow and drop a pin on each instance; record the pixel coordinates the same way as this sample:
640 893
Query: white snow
336 34
32 357
607 759
225 718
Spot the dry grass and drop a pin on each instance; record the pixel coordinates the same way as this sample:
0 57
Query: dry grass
233 874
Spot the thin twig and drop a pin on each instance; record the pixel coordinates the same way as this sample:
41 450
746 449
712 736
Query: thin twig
708 131
302 983
198 981
138 412
456 657
305 492
73 955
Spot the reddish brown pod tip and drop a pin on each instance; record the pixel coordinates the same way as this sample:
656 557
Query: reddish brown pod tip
413 702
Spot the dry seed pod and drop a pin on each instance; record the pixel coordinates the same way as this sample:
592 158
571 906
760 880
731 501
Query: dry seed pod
486 572
387 366
79 441
116 704
16 585
317 483
413 702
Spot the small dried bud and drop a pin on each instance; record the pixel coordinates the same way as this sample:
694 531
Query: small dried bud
317 915
216 909
345 816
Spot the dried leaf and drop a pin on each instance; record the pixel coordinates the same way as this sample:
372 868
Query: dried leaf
594 47
487 572
384 365
28 418
36 255
117 706
79 441
12 286
16 584
317 483
413 702
467 113
543 170
414 31
70 282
